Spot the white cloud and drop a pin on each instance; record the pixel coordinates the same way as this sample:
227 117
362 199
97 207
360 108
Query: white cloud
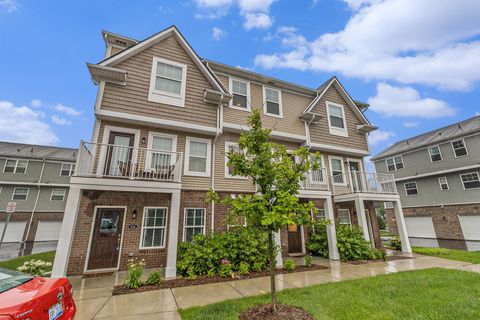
36 103
427 42
393 101
60 121
218 33
67 110
378 136
410 124
477 113
22 124
258 20
9 5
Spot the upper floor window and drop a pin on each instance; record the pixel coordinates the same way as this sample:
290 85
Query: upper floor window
161 157
67 169
344 216
231 147
459 148
443 183
273 102
194 223
336 166
20 194
241 94
470 180
167 82
198 157
153 228
15 166
435 154
395 163
336 119
57 195
411 188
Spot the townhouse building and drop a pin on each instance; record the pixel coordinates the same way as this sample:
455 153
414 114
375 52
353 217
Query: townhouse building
165 119
437 177
37 179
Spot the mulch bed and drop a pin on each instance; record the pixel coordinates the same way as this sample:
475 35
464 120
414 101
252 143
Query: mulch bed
284 312
184 282
392 258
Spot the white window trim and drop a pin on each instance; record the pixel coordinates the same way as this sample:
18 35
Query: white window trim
230 87
334 130
464 144
463 184
187 157
330 158
446 182
185 221
16 165
280 105
165 227
416 187
227 174
15 189
166 97
349 218
430 154
151 135
56 189
394 163
72 165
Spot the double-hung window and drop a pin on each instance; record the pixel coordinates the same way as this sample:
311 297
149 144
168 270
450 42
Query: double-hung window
67 169
167 82
459 148
153 228
435 153
273 102
336 119
319 213
20 194
231 147
194 223
241 94
15 166
58 195
470 180
344 216
161 157
198 157
336 166
411 188
443 183
395 163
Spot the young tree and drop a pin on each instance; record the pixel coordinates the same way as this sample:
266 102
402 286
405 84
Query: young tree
276 176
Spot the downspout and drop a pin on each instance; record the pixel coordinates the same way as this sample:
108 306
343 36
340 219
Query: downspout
35 204
217 134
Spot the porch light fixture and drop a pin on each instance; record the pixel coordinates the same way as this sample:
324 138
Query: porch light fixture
134 214
144 140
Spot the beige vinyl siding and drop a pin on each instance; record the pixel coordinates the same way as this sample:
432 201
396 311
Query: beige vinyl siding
115 50
320 133
133 98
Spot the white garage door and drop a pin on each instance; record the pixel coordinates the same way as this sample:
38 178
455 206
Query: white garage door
421 232
471 231
48 231
14 232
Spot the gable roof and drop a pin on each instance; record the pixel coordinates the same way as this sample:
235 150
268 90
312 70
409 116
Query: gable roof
449 132
33 151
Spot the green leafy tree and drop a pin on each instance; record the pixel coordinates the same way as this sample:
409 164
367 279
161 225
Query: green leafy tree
276 176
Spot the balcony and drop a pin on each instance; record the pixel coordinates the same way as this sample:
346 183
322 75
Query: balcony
315 180
364 182
96 160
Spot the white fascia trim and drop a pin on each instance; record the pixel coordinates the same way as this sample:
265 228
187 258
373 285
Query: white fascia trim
439 205
475 166
124 185
346 150
164 123
42 184
366 196
235 127
318 97
316 194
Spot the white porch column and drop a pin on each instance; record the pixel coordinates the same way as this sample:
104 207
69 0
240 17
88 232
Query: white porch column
171 269
331 232
66 233
278 244
362 218
402 227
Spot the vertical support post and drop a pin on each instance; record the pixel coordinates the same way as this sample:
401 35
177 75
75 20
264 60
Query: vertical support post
60 263
402 227
331 232
362 218
171 269
278 244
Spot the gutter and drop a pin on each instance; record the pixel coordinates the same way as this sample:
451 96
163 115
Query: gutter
217 134
35 205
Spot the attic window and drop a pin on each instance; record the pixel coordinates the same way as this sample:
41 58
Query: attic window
167 82
241 94
336 119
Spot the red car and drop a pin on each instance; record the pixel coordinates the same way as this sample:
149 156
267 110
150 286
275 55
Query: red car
23 297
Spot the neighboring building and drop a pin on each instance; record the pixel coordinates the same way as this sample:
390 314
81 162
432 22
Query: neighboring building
438 179
164 120
36 178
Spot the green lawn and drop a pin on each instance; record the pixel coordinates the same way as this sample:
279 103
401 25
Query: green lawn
13 264
460 255
424 294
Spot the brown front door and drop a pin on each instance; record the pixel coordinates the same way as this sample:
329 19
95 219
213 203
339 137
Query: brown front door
120 149
294 239
106 238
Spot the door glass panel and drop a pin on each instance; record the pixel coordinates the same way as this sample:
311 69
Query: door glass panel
119 155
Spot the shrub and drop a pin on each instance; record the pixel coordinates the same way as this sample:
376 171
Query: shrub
308 261
134 273
243 269
205 253
258 266
35 267
226 269
395 243
318 243
289 265
380 254
154 278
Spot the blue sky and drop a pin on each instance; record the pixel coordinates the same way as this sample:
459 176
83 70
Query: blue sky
415 61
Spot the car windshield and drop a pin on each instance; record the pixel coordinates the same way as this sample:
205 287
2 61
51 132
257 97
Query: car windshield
10 279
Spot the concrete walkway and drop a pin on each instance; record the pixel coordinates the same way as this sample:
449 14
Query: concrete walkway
94 299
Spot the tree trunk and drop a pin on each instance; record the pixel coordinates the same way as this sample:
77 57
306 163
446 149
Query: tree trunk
273 271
